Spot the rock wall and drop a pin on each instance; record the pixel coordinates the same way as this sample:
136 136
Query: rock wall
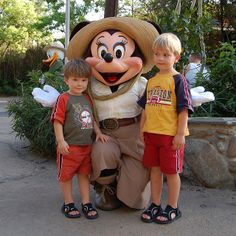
210 155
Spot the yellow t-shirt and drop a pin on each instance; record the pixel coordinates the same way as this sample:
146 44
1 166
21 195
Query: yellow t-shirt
166 95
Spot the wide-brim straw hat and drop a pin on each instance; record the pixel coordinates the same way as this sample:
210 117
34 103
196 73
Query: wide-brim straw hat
142 32
55 45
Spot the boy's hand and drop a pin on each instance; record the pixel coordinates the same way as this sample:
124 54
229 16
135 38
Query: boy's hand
178 142
102 137
63 147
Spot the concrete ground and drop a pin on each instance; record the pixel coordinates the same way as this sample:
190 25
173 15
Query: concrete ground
30 201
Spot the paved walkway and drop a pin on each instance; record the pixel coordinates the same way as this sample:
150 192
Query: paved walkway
30 202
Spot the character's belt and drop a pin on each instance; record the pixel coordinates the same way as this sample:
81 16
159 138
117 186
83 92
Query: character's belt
113 123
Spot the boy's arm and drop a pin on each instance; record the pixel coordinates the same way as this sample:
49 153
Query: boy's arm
142 121
99 135
63 147
179 139
184 108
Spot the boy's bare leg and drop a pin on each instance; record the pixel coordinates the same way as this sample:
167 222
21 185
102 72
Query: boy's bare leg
173 182
66 188
156 179
83 181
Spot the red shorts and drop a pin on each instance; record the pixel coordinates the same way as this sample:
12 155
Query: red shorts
158 152
77 162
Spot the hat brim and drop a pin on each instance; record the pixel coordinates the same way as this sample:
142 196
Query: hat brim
142 32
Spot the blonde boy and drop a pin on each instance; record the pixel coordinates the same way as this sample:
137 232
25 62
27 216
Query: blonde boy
166 104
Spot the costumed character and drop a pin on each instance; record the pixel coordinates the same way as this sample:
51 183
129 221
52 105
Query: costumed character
56 54
119 49
54 64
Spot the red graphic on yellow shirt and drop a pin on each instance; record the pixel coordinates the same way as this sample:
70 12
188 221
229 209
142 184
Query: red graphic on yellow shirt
159 96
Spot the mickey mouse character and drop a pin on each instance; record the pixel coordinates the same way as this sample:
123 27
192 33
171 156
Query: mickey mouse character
119 51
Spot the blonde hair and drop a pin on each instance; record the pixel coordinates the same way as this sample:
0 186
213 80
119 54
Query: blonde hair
77 68
168 41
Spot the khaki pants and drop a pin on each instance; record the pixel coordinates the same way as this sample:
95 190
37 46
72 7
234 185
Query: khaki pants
125 152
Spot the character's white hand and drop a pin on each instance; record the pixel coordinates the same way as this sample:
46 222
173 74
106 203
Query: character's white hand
46 96
199 96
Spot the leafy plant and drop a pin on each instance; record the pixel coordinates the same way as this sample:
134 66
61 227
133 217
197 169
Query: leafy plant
30 119
222 83
6 89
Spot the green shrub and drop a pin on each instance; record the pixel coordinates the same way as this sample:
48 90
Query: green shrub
30 119
15 66
222 83
7 90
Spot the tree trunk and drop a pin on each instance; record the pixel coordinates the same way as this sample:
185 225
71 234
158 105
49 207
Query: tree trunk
201 37
111 8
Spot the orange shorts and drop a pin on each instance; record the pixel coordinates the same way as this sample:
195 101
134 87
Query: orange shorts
158 152
77 162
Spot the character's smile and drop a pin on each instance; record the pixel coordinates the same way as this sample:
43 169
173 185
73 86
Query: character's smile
112 77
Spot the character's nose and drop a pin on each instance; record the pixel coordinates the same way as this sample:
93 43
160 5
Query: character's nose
108 57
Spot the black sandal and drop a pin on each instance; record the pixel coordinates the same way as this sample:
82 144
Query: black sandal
87 208
171 214
66 209
152 211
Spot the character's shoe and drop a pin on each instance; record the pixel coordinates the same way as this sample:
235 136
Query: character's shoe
106 197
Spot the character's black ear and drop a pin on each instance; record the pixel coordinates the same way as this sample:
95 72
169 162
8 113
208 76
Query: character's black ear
158 28
78 28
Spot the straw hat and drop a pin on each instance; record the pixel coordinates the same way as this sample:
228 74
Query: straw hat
55 45
142 32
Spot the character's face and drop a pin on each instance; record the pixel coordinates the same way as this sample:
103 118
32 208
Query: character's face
51 52
111 59
53 55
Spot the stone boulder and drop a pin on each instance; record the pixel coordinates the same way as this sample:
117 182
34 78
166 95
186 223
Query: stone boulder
205 164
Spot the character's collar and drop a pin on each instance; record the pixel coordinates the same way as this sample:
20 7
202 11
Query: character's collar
121 90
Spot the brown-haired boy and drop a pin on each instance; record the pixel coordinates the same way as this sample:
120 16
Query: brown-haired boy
74 125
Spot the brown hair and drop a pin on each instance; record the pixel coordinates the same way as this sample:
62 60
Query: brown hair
196 56
77 68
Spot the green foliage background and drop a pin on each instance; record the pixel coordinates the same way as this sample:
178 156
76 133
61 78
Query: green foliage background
222 83
15 66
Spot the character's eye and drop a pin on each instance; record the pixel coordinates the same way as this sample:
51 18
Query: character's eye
102 50
119 51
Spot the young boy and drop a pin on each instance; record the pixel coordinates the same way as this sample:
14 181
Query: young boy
74 124
166 104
